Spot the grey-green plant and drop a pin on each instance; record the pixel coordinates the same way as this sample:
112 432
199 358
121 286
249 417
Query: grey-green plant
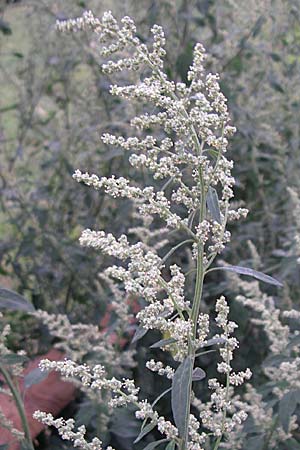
182 133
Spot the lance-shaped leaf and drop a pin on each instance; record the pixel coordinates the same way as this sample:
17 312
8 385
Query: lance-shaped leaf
161 396
198 374
294 342
153 445
25 445
170 446
213 341
145 431
34 377
13 358
252 273
205 352
13 301
163 342
287 406
255 442
181 384
140 332
213 204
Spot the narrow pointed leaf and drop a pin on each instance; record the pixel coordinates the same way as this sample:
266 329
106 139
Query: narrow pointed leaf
14 301
25 445
34 377
145 431
198 374
161 396
287 406
213 341
173 250
294 342
255 442
213 204
205 353
153 445
13 358
180 393
140 332
163 342
252 273
170 446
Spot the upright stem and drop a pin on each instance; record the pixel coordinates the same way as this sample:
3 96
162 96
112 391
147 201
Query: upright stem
196 302
218 441
19 404
200 267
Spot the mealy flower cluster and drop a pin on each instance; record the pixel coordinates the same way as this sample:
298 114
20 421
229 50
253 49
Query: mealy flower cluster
181 138
281 368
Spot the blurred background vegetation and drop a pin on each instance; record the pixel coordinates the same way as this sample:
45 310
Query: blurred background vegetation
54 104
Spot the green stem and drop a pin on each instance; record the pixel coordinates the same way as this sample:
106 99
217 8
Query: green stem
19 404
200 268
173 250
272 429
196 302
218 441
194 318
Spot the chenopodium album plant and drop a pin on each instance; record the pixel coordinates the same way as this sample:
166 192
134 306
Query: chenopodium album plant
188 161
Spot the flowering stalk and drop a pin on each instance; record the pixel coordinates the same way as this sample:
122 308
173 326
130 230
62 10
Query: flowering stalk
189 157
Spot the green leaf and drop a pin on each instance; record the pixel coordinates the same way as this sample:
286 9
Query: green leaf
5 27
295 341
123 423
161 396
258 25
198 374
4 447
275 360
173 250
213 341
205 353
287 406
275 83
18 54
275 56
12 358
145 431
213 204
163 342
170 446
255 442
25 446
250 272
139 333
35 376
292 444
180 393
13 301
213 153
155 444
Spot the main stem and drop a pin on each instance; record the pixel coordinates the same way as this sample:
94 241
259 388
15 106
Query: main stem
200 268
19 404
197 299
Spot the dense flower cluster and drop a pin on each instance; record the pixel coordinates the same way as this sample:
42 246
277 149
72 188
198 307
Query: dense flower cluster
190 195
66 431
215 414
